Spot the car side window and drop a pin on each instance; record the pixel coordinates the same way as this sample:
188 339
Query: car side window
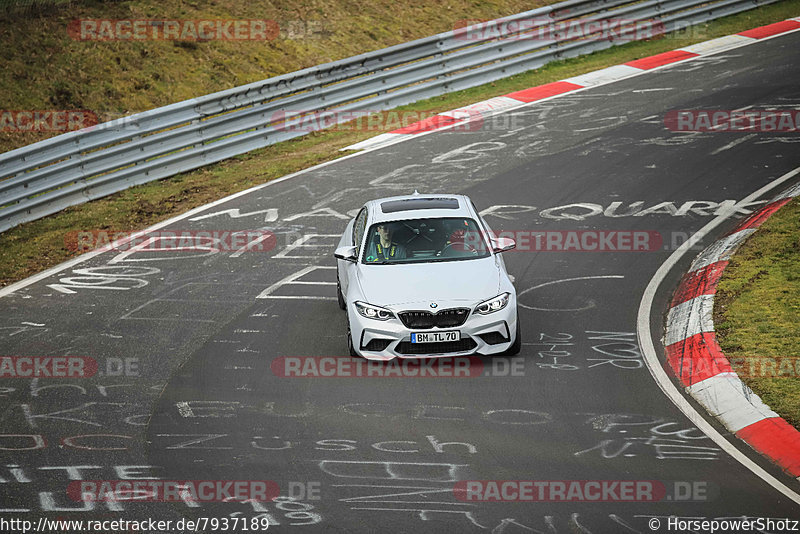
358 227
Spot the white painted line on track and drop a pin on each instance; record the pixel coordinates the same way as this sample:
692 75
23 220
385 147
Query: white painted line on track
293 279
733 144
659 374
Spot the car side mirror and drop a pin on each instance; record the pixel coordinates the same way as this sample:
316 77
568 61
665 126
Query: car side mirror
502 244
345 253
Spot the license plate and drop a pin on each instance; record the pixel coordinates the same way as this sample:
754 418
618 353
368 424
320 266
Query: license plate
435 337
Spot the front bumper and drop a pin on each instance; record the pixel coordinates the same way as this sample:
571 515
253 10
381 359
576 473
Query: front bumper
480 334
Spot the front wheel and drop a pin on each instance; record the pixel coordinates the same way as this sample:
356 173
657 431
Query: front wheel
350 346
517 345
339 296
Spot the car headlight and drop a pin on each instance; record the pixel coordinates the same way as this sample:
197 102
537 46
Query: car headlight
493 305
373 312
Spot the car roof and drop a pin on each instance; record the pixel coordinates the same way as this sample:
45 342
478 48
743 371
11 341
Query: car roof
418 206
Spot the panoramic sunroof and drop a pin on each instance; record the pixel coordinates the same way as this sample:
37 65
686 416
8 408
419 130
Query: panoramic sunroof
419 204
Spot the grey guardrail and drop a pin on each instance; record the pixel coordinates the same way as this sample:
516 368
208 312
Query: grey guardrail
69 169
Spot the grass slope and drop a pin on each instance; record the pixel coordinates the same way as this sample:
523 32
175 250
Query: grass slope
44 68
757 312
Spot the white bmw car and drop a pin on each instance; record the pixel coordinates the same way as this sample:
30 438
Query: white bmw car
421 276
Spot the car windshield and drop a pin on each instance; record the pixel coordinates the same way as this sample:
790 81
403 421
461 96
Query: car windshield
423 241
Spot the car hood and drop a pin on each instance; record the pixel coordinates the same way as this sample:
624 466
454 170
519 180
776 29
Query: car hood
467 280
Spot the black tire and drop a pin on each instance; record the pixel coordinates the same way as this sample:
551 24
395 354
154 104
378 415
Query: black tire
350 347
517 345
339 296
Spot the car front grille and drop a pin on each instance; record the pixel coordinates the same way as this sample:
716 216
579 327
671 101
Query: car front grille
463 345
448 318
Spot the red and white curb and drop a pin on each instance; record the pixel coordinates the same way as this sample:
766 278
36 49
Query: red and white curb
611 74
695 358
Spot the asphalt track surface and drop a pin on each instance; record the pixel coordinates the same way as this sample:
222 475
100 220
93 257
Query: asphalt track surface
204 403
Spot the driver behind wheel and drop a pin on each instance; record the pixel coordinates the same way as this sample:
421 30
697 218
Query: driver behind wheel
460 239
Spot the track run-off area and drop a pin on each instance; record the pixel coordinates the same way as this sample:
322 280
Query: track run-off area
189 344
